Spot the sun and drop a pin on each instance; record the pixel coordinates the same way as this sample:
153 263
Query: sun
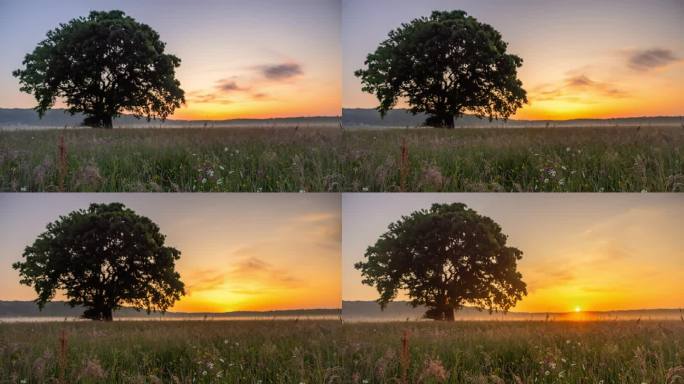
578 309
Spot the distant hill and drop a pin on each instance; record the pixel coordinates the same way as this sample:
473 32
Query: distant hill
62 309
402 310
59 118
368 117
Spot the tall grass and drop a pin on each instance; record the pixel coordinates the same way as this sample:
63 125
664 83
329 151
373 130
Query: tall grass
329 159
333 352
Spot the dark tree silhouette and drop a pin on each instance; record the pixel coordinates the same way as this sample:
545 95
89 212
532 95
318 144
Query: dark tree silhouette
102 66
444 258
103 258
445 65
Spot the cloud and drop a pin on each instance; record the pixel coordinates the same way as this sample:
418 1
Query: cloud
281 71
226 85
644 60
574 89
253 268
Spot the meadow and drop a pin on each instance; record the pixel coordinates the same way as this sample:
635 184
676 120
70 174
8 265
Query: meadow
329 159
289 351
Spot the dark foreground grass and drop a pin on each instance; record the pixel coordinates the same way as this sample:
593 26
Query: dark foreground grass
328 159
332 352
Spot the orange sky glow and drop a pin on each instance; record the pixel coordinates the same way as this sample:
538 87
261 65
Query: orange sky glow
239 252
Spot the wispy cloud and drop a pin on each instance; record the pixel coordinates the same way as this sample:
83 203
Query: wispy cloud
574 88
645 60
281 71
227 85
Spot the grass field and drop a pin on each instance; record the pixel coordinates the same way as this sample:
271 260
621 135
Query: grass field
327 159
332 352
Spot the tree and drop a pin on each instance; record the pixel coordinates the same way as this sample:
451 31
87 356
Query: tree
445 65
444 258
103 258
102 66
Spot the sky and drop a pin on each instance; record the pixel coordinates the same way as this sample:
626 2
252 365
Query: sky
238 251
239 58
593 252
581 59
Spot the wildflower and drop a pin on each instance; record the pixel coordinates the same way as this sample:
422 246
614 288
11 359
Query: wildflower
561 374
221 360
210 365
644 191
218 375
210 172
225 149
219 181
561 182
225 341
547 373
365 189
204 373
301 191
567 341
221 167
552 365
567 149
546 181
23 381
237 151
204 180
23 189
259 189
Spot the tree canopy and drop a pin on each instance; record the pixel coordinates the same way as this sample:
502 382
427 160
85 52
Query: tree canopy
445 65
103 258
103 65
444 258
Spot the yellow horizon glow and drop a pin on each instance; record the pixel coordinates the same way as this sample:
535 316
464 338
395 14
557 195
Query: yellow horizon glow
582 254
239 252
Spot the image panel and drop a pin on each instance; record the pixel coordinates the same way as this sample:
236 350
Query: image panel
521 288
168 287
471 96
237 96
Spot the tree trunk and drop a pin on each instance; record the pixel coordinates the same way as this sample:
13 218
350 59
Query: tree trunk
107 122
448 121
107 314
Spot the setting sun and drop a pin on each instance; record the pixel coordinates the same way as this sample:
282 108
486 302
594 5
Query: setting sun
578 309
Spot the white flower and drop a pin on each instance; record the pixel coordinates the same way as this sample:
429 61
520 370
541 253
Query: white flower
210 365
643 191
225 149
23 189
546 181
204 180
567 149
204 373
365 189
301 191
547 373
221 167
210 173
